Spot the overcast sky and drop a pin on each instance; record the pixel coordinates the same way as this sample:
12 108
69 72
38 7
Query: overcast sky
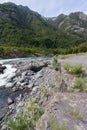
50 8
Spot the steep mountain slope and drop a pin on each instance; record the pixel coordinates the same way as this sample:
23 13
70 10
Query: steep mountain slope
20 26
76 22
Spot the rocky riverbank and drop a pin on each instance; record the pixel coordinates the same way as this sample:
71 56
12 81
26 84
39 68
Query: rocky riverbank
36 78
23 84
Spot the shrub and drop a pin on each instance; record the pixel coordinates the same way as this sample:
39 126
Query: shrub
55 64
43 93
81 84
20 123
27 119
67 67
77 69
74 69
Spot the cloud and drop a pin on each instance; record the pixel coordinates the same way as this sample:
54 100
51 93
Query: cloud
52 7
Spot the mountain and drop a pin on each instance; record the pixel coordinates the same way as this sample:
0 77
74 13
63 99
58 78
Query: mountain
22 27
76 22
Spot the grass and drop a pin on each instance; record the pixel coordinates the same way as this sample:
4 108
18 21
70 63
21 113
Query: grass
81 83
55 64
71 89
43 91
27 119
54 125
77 69
77 114
67 67
74 69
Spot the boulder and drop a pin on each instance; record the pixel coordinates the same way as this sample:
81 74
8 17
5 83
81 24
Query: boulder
10 101
2 68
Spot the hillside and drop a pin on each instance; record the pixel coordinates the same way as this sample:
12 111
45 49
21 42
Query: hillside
22 27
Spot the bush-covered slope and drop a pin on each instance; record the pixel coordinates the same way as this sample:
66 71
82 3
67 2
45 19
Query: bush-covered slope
20 26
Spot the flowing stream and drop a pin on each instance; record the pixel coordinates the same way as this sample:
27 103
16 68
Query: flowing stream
9 72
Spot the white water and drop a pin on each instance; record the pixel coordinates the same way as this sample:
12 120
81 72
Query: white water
9 72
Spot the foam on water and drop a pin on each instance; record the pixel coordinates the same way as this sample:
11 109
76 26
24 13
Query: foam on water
9 72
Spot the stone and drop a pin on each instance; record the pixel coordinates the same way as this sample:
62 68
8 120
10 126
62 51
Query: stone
30 85
24 74
38 75
34 90
22 80
12 106
9 85
21 104
19 97
4 127
10 101
2 68
15 89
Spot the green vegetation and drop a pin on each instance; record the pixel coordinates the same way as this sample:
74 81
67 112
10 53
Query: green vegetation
54 125
74 69
71 89
23 30
43 93
67 67
55 64
77 114
81 83
77 69
27 119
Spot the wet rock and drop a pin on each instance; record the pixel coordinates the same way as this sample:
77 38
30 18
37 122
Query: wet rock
2 68
10 101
